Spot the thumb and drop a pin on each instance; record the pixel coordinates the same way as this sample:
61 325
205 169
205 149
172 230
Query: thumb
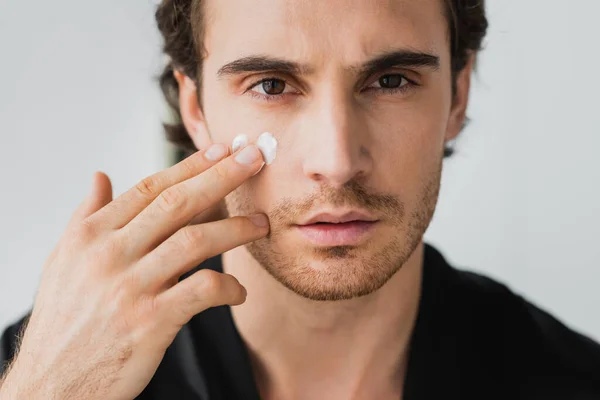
100 194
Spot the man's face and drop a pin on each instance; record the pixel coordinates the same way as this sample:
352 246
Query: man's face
360 101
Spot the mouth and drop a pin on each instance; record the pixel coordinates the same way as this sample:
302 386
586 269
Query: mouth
349 229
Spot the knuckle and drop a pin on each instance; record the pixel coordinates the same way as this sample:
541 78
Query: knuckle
211 283
108 254
148 187
145 308
172 200
191 237
221 172
189 166
85 231
204 198
166 251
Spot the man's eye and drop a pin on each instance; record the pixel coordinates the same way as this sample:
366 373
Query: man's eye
393 81
270 87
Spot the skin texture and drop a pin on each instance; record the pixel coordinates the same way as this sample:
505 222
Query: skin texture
344 143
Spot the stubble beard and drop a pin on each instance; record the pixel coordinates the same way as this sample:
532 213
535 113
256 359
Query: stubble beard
350 271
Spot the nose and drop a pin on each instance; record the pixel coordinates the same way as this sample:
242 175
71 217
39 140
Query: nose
338 150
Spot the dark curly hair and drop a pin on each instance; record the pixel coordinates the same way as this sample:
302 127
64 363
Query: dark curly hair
180 23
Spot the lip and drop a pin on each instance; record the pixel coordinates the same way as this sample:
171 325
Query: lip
332 234
337 229
339 217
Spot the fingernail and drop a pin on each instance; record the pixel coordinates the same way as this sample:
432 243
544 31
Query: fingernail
216 152
260 169
259 220
249 155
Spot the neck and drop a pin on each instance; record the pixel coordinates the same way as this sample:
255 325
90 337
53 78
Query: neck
348 349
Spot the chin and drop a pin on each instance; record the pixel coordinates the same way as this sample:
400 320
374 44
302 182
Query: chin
332 273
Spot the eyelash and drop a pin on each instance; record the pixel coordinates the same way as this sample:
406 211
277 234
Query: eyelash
270 97
273 97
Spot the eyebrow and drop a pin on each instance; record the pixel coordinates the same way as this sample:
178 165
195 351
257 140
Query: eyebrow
402 59
261 63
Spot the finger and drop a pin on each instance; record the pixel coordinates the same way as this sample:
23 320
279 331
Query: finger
124 208
202 290
191 245
100 195
177 205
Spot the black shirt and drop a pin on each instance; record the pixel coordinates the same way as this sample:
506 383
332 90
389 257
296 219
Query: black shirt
473 339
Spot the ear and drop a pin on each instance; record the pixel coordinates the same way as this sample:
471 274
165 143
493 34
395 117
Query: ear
460 100
191 113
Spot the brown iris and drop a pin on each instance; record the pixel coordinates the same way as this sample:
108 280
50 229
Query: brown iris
273 86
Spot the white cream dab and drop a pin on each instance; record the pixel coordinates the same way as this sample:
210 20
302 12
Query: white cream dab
238 142
267 144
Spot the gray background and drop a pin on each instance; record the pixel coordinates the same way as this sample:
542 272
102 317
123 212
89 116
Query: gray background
519 201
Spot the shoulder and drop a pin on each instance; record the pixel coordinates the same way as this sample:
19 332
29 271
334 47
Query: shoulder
545 357
9 341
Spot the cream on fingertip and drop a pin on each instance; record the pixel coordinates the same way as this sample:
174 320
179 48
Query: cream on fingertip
238 142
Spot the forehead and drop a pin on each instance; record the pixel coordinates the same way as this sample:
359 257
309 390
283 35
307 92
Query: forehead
319 31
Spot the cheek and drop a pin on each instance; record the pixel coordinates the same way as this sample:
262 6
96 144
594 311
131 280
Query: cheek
262 194
243 200
409 132
228 115
406 142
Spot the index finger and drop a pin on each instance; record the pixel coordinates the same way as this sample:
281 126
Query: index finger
124 208
177 205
